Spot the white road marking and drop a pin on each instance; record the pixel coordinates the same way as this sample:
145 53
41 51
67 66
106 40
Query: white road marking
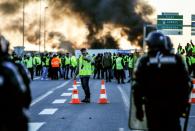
49 111
59 101
48 93
121 129
125 99
192 116
36 78
78 82
41 98
66 94
70 89
62 85
35 126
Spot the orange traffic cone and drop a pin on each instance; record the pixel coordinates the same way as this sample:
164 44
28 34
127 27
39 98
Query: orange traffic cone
75 96
192 96
75 84
103 97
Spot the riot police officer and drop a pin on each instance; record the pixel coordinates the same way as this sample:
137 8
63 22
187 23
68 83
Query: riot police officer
15 97
161 84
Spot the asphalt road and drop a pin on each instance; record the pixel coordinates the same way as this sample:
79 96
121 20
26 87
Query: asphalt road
50 109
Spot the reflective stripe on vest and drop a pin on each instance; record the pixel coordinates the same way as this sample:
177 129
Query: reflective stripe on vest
119 65
29 62
37 60
85 68
73 61
47 61
130 62
67 60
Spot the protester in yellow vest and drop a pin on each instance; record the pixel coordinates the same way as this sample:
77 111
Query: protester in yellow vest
73 64
119 69
37 63
30 64
66 66
130 66
84 70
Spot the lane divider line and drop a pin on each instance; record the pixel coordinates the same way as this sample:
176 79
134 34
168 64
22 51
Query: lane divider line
125 99
48 111
35 126
66 94
48 93
41 98
59 101
70 89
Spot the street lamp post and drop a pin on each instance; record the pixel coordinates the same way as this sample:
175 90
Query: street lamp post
40 29
23 21
45 26
145 30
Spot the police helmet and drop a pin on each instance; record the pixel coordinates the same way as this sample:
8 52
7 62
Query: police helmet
156 41
4 46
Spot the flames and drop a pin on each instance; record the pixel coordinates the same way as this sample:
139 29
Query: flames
67 26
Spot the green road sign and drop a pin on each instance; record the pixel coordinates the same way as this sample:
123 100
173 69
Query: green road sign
172 32
193 25
170 22
193 17
170 17
193 29
159 27
192 33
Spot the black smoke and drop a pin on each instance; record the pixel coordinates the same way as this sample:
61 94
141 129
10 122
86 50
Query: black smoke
107 42
62 41
10 7
95 13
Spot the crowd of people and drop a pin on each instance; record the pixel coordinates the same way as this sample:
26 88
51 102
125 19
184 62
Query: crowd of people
188 55
58 65
160 81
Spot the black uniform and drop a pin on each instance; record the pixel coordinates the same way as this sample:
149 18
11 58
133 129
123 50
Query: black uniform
161 83
15 97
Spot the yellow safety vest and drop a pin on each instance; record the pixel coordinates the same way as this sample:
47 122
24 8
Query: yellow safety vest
85 68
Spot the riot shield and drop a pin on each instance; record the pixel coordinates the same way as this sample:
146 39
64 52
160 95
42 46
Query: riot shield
134 123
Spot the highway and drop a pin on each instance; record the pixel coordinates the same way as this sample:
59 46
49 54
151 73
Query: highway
50 109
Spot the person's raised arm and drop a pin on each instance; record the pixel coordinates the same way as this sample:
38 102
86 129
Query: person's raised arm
191 43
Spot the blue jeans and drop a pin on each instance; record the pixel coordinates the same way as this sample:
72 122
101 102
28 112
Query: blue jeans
44 72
